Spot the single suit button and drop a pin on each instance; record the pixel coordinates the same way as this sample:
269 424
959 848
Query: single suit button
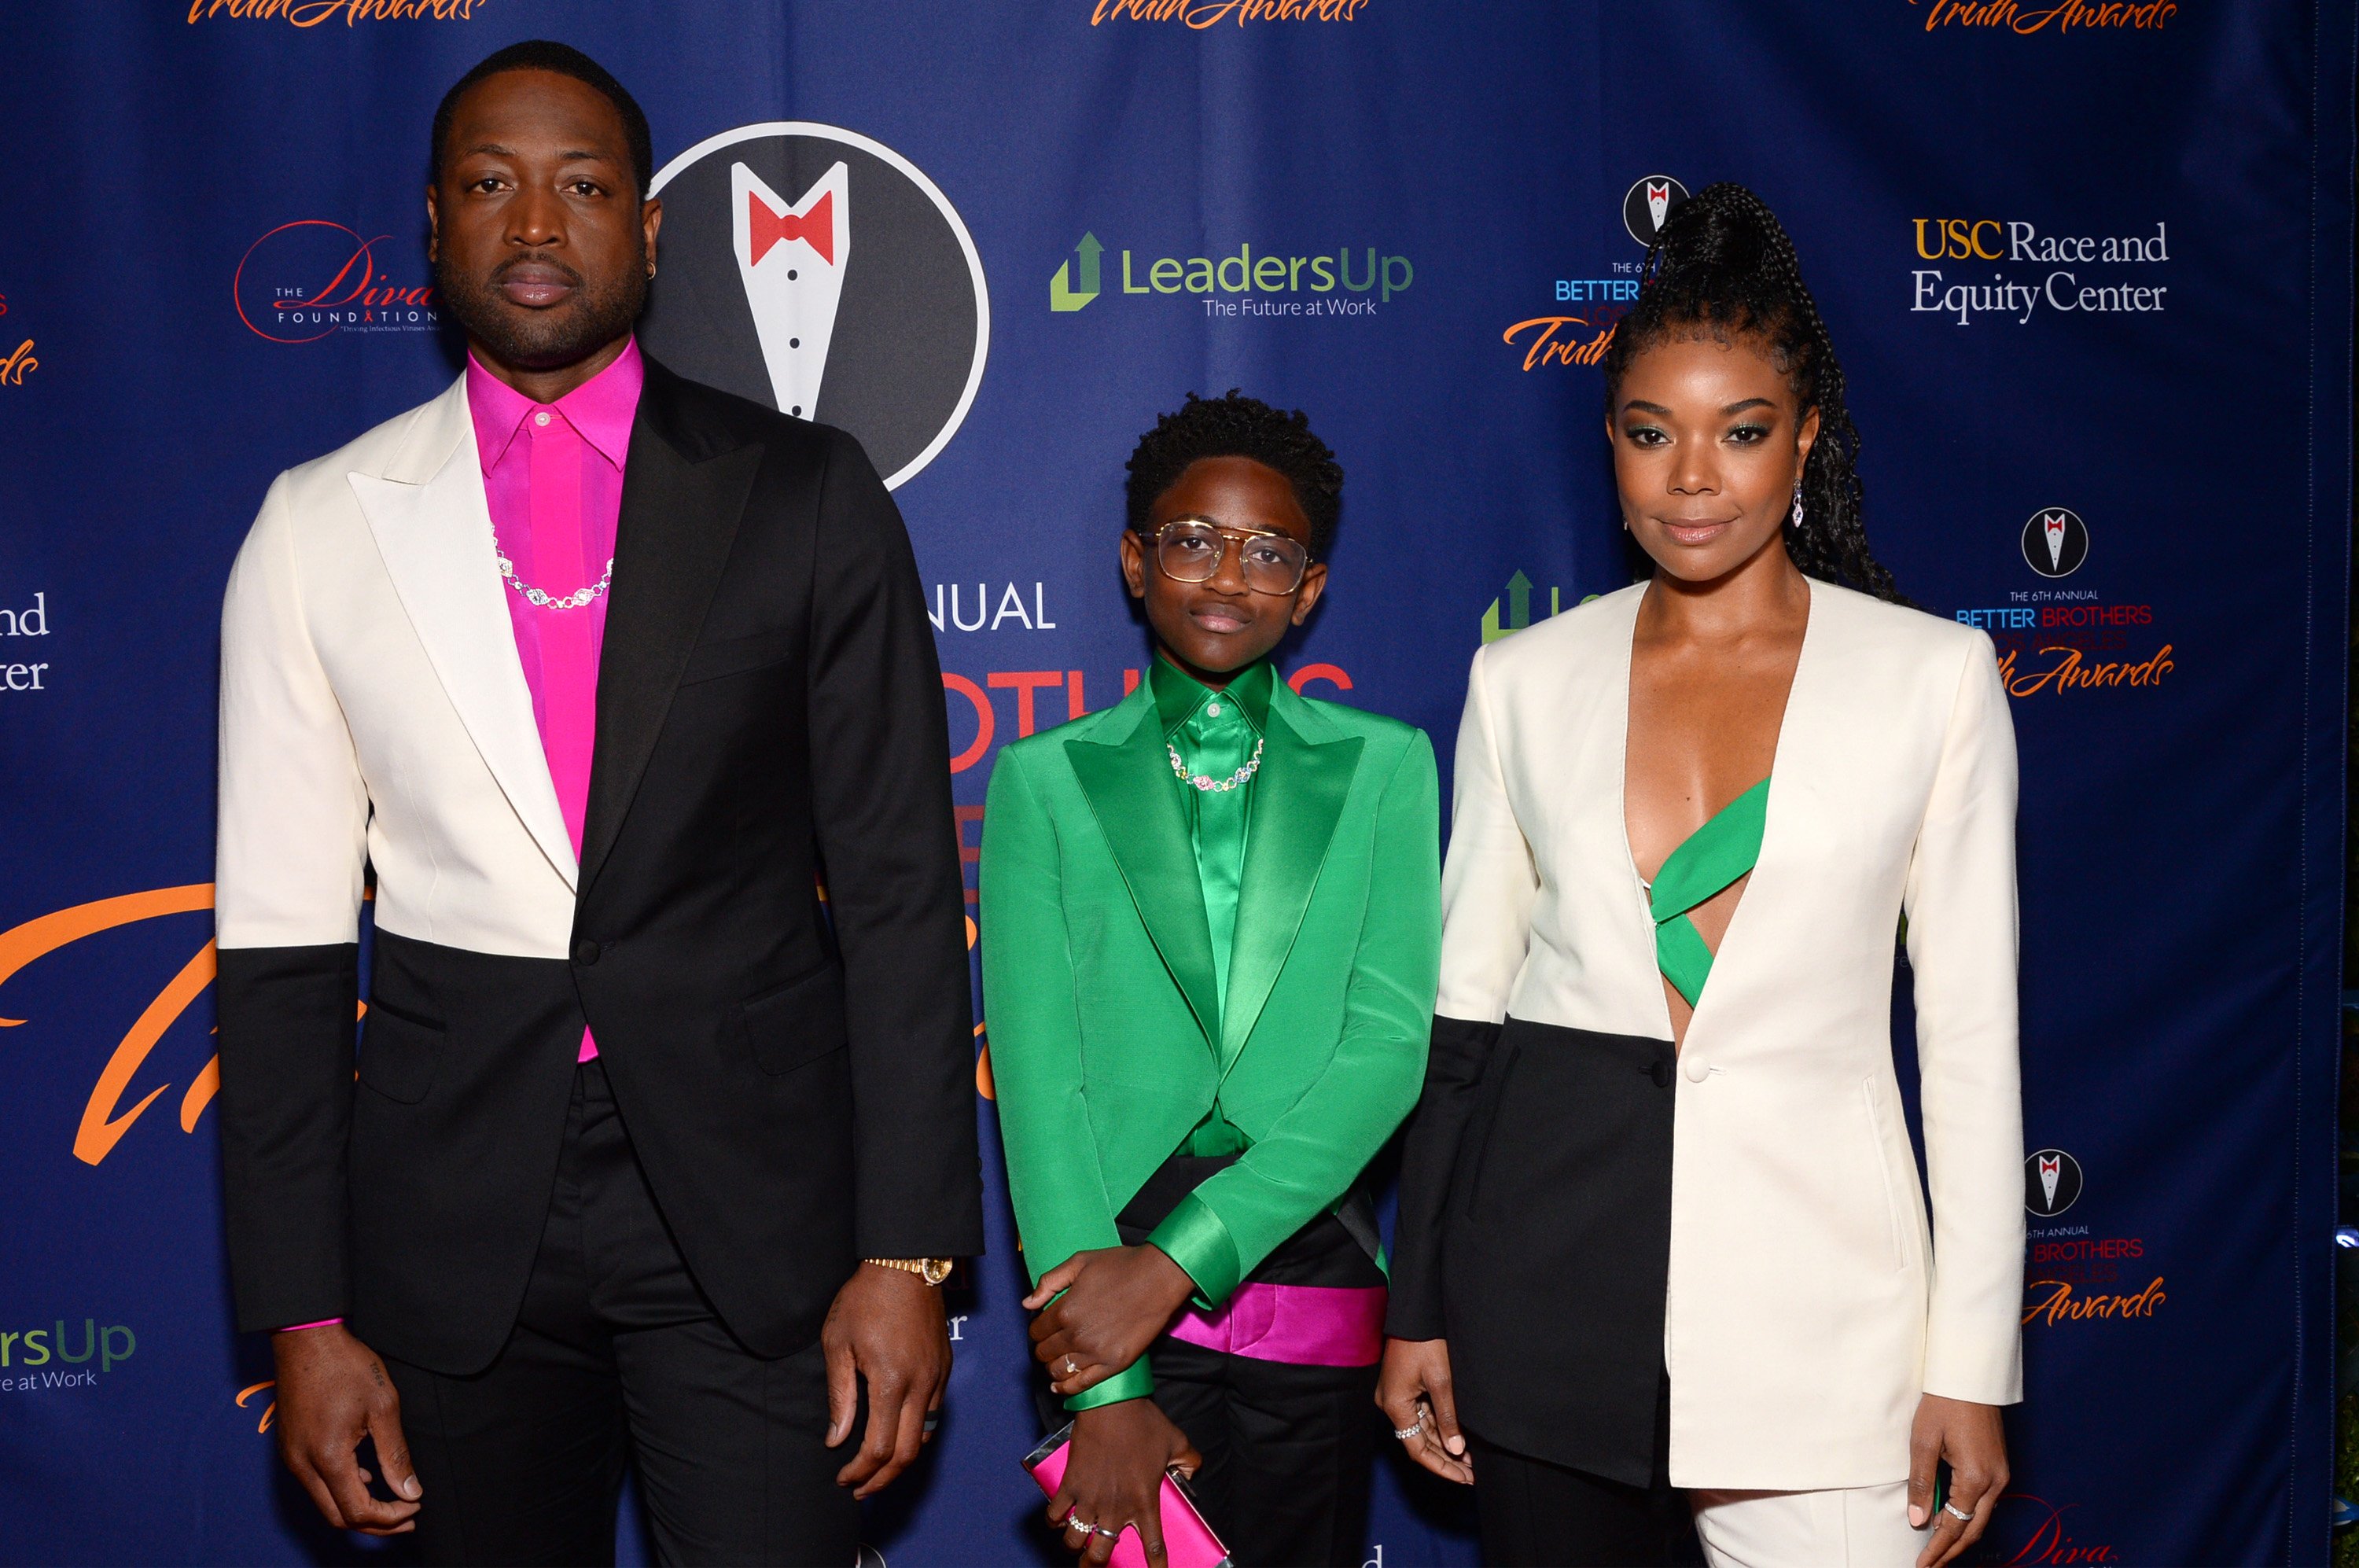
1696 1069
586 952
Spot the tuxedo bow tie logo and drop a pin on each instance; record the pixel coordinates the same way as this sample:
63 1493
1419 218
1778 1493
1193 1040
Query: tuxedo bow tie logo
2055 541
1648 204
791 257
817 270
2051 1182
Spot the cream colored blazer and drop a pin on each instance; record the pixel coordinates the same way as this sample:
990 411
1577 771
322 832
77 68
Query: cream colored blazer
366 638
1811 1302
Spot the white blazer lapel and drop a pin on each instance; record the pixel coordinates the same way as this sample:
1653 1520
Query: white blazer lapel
1810 736
433 527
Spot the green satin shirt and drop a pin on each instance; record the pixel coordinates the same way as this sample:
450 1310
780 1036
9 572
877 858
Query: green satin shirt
1216 736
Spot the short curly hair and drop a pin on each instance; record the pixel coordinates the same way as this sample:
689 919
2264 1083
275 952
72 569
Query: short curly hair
1235 425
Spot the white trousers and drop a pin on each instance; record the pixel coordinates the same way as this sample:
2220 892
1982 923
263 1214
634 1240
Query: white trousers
1857 1527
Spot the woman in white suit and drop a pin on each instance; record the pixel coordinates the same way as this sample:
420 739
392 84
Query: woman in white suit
1662 1244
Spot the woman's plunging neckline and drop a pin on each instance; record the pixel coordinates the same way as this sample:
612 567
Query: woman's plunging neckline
1753 840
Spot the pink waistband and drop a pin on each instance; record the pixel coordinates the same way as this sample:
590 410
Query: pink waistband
1302 1325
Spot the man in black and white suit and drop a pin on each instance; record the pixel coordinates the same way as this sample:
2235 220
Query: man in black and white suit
656 1149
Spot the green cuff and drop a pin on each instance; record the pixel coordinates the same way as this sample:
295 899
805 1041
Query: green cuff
1194 1237
1133 1382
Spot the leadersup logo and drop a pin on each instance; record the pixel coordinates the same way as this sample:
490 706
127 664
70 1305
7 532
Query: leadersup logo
1324 285
312 278
51 1350
2068 286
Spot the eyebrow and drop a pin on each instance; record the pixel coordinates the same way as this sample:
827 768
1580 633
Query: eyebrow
571 155
1646 407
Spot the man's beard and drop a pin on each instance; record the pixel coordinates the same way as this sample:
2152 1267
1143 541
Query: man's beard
543 340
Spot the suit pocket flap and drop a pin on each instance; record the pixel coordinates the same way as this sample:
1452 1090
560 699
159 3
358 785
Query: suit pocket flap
798 1023
398 1054
736 656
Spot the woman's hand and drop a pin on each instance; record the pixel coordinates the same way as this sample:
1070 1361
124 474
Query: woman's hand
1114 1478
1971 1439
1415 1393
1115 1301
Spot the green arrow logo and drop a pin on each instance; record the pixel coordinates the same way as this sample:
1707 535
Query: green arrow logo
1062 296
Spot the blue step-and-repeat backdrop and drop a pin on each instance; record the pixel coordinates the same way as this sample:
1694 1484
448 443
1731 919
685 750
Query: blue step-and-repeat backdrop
2087 264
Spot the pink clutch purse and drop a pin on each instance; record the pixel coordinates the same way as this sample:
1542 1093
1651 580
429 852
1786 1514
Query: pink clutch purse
1189 1541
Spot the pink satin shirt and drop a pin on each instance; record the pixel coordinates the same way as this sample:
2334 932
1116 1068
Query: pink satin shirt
553 474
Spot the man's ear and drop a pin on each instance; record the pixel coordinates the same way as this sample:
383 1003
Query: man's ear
433 225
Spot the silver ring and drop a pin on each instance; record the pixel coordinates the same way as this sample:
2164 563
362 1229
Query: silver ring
1110 1534
933 1422
1416 1427
1950 1507
1075 1522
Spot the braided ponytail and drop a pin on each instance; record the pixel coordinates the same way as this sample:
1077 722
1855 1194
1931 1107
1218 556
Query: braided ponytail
1722 266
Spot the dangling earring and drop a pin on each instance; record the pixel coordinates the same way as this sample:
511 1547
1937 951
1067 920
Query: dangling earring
1797 522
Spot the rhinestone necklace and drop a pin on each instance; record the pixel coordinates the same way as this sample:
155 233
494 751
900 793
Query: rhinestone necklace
541 598
1252 767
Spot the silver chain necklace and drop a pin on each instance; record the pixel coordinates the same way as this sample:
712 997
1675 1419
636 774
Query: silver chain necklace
1252 767
541 598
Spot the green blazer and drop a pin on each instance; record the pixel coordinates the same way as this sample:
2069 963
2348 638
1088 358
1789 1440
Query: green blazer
1108 1042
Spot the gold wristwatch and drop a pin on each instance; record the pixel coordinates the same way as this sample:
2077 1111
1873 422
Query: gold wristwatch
932 1270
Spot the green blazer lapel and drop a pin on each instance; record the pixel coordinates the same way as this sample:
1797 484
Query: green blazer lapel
1123 771
1297 802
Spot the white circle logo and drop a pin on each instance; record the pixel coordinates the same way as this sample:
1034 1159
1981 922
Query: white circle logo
2055 541
820 272
1647 203
2051 1182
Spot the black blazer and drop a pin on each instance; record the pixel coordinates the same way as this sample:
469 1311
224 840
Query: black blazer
795 1075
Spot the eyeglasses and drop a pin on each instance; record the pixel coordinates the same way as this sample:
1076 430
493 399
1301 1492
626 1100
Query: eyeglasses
1188 549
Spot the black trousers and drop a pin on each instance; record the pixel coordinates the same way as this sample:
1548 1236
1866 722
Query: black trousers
1536 1514
617 1359
1288 1450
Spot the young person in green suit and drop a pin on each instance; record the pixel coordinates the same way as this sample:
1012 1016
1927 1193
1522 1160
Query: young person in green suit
1210 938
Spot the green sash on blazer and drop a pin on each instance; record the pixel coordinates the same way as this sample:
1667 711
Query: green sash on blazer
1108 1041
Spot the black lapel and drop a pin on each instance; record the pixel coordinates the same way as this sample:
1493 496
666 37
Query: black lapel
684 488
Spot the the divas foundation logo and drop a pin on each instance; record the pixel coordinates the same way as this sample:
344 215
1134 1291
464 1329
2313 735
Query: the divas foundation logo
313 278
